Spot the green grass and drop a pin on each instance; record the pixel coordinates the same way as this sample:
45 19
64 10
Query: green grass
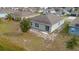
4 27
9 36
5 44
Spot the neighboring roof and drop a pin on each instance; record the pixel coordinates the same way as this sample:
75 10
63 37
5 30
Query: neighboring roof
34 9
75 12
76 21
68 8
47 19
24 13
18 11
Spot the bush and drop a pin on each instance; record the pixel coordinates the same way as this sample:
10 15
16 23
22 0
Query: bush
66 28
71 44
25 25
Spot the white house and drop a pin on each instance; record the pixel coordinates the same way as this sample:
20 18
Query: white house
47 22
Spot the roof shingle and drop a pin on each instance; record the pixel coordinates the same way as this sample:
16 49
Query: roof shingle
47 19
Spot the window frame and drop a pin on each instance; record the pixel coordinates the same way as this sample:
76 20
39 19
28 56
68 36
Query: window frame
48 27
37 25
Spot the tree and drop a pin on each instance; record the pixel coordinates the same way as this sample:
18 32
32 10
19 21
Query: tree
25 25
71 44
9 17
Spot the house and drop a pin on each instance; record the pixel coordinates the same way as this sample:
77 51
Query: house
72 11
34 9
24 14
47 22
59 11
74 27
75 12
48 10
53 10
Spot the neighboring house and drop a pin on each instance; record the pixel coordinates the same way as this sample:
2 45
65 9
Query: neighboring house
76 12
59 11
53 10
48 10
72 11
74 27
47 22
34 9
24 14
21 12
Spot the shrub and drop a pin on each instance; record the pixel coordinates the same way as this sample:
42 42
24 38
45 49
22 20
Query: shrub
25 25
66 28
71 44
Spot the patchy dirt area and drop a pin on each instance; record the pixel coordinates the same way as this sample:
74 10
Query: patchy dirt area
44 35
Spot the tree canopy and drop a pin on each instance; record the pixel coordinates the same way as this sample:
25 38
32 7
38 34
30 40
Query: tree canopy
9 17
25 25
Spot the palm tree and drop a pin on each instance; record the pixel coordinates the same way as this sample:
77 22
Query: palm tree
9 17
71 44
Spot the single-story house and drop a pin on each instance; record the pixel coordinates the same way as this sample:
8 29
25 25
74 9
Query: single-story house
74 27
47 22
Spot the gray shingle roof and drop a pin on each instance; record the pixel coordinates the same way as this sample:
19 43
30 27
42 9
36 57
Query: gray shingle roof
23 13
47 19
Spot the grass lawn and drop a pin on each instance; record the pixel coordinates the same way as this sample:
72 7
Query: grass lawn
11 39
5 43
6 27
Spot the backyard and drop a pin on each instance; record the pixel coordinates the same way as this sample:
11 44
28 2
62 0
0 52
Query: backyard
12 39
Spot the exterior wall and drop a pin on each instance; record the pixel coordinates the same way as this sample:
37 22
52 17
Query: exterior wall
57 25
51 27
41 26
